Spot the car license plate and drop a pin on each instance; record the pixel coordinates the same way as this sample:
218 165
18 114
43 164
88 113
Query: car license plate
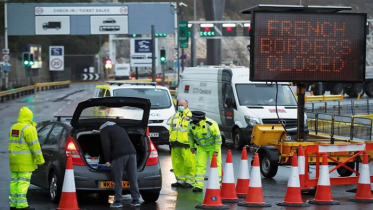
154 134
288 138
110 184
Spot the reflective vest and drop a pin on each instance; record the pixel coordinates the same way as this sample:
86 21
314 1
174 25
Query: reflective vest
179 127
205 133
24 148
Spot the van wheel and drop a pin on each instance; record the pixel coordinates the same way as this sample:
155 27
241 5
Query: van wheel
150 196
342 171
54 188
268 168
237 139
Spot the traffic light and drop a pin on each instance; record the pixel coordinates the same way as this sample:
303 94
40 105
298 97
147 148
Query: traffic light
108 64
207 29
134 35
229 29
31 60
246 29
163 56
26 58
160 35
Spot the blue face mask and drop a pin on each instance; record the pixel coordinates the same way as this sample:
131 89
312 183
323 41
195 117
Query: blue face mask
181 108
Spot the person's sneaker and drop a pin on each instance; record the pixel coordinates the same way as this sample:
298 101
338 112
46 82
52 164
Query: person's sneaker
187 185
135 203
196 189
176 184
116 204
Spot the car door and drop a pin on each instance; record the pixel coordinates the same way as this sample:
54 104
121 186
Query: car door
43 133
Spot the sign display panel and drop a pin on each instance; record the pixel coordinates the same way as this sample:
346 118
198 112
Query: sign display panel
305 47
52 25
109 24
56 58
141 52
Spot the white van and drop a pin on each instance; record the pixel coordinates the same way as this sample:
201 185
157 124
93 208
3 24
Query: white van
227 96
162 106
122 71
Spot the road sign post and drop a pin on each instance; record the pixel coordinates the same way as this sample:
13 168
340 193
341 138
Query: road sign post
183 34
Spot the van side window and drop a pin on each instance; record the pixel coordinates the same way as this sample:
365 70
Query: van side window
101 93
229 96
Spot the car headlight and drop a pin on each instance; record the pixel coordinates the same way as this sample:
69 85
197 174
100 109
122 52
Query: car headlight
169 120
251 121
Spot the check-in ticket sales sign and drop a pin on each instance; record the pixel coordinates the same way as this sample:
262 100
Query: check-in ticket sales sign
301 47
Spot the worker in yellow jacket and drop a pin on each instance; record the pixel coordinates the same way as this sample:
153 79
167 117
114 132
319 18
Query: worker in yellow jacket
24 157
204 136
183 161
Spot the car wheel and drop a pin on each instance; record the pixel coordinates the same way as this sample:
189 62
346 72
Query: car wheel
54 188
150 195
268 168
342 171
237 139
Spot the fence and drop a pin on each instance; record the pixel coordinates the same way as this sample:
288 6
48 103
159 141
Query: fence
346 127
342 108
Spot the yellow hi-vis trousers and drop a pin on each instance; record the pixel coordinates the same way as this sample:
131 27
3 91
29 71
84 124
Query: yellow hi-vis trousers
184 164
202 153
18 189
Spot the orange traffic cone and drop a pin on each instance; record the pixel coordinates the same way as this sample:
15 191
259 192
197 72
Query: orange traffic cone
212 197
364 192
254 197
323 191
68 197
228 190
302 171
243 179
293 195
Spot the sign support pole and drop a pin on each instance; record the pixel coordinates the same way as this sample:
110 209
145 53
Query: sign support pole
153 54
301 91
5 43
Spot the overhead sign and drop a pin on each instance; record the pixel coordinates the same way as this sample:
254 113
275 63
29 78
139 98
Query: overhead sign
141 52
56 58
6 57
109 24
305 47
183 34
52 25
96 10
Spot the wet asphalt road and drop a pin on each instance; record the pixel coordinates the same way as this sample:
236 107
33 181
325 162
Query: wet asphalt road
47 104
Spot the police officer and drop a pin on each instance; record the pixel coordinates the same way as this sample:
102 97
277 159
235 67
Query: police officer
24 157
183 161
204 135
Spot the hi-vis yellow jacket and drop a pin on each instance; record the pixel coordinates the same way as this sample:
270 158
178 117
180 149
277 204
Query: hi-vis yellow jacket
179 127
24 148
205 133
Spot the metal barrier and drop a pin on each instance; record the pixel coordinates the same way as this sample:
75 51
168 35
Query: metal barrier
15 93
51 85
343 127
343 108
323 98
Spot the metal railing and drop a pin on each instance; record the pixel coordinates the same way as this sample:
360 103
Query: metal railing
343 108
335 126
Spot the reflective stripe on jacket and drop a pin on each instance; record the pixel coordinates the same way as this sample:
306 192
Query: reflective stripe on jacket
179 126
205 133
24 148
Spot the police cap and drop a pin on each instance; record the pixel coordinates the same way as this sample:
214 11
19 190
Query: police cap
198 115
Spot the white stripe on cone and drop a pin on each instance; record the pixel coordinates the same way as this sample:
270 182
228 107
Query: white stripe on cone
324 179
244 170
301 165
256 180
69 182
228 173
364 177
294 177
213 179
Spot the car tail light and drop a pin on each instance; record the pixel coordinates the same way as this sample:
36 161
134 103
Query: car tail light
71 150
153 157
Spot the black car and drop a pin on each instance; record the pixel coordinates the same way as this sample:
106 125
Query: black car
81 139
